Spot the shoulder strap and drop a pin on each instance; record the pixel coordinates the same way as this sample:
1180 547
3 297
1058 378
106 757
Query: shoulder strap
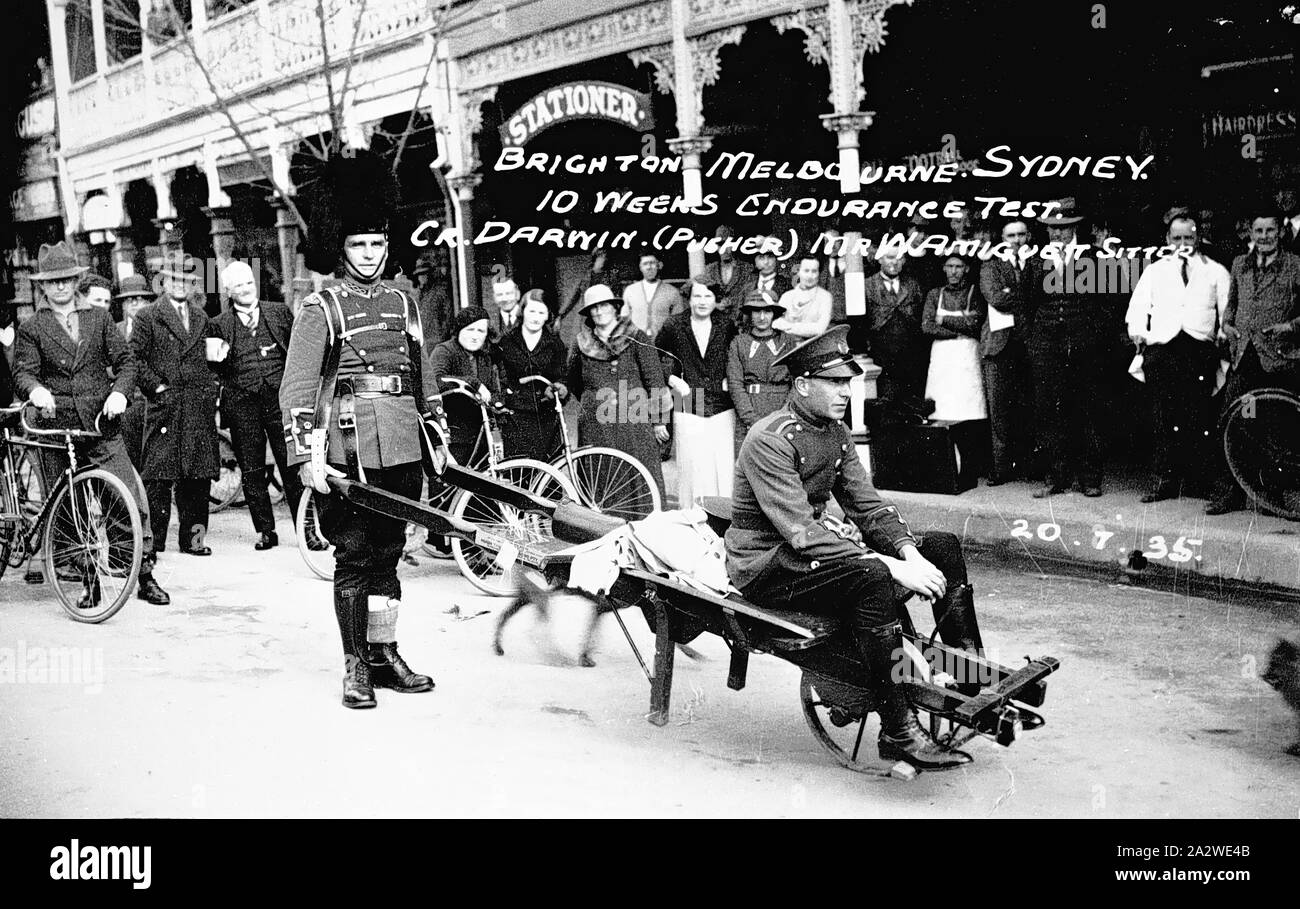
329 368
415 351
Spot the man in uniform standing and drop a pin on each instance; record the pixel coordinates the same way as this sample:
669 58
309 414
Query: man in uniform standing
180 431
256 335
62 360
784 551
377 387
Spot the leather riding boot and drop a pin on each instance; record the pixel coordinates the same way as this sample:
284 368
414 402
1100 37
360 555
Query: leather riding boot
357 689
901 736
954 616
389 670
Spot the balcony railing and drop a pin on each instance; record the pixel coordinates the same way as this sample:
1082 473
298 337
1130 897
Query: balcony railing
245 51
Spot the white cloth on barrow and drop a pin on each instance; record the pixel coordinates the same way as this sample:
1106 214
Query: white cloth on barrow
676 544
706 455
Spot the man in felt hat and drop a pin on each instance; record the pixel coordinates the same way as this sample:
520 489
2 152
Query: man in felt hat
1066 343
168 338
356 387
785 551
250 365
63 357
133 295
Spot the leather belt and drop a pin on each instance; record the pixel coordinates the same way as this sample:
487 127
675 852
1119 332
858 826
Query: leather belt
389 385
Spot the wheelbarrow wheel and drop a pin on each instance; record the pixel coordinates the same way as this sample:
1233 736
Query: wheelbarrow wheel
841 732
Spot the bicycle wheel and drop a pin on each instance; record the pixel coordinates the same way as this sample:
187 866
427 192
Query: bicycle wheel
93 545
226 488
20 515
479 566
614 483
315 550
1259 443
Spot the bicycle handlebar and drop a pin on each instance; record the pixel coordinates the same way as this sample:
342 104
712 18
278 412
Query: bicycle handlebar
481 395
21 409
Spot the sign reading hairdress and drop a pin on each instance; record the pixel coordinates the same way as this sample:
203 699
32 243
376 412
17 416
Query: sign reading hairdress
578 101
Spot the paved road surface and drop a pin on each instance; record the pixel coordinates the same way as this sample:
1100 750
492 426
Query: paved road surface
225 704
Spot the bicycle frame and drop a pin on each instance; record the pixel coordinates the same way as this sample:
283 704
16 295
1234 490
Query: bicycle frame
566 447
32 531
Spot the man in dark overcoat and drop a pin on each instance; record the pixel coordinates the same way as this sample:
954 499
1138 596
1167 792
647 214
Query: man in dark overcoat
180 429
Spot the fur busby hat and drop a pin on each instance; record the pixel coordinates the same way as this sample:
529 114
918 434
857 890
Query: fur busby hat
352 194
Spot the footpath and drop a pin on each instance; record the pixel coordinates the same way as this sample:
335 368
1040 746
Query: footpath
1161 543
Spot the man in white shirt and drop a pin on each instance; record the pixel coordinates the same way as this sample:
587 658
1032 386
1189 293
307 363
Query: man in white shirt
649 302
1176 317
807 305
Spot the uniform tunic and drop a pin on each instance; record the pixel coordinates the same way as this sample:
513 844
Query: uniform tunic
790 466
367 546
749 366
388 431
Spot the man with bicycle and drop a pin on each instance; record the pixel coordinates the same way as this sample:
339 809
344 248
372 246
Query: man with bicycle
1262 322
62 358
356 354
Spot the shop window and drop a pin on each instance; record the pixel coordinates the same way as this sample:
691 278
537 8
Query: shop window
122 30
80 33
162 21
218 8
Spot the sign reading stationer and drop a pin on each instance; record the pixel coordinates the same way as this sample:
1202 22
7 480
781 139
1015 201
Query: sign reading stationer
578 101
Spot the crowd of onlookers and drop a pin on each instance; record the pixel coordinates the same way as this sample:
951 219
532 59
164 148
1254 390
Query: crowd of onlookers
1033 361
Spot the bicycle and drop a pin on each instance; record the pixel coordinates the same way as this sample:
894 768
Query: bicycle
1259 442
480 568
89 527
607 480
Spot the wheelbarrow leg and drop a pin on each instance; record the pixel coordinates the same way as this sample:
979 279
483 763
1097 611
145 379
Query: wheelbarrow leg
661 686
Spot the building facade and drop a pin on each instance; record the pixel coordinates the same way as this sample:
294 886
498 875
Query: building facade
201 157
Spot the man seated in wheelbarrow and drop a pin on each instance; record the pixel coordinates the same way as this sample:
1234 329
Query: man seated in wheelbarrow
785 552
